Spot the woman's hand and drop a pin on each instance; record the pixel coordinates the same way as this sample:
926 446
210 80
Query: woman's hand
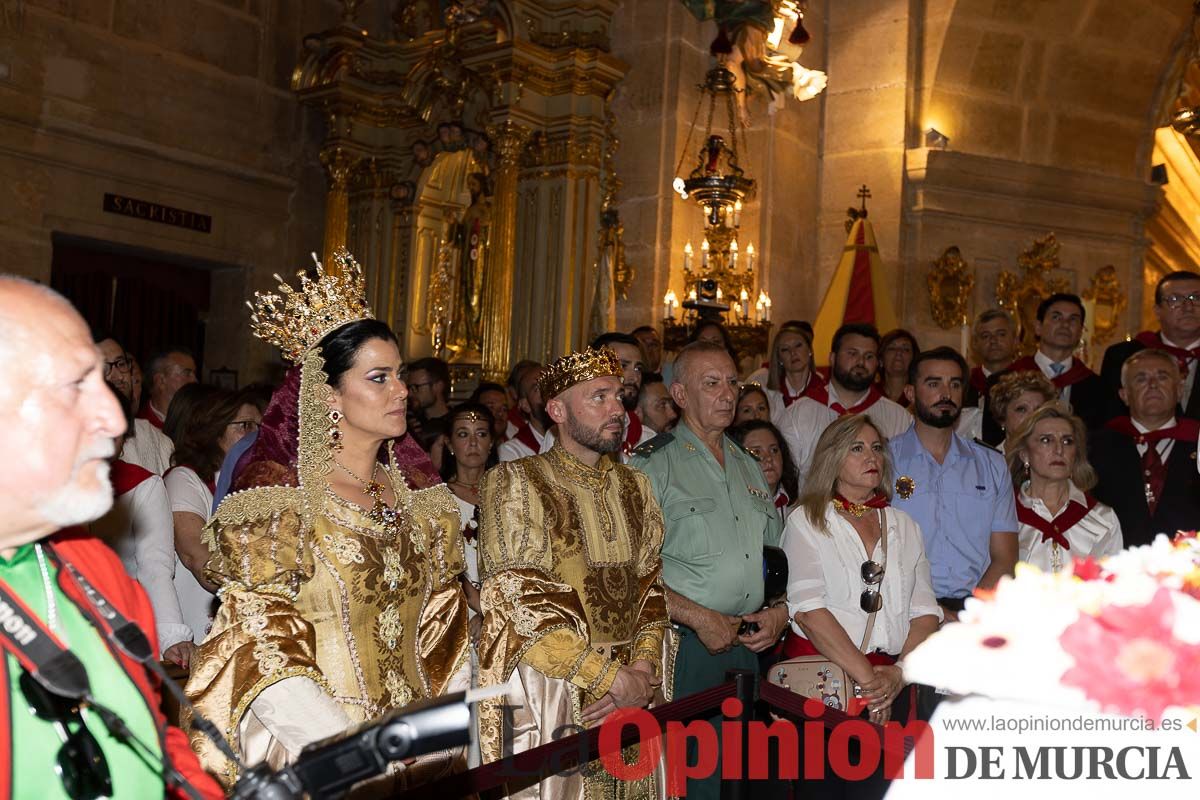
882 689
180 653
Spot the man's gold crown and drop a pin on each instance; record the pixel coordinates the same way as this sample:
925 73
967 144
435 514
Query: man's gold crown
576 368
294 321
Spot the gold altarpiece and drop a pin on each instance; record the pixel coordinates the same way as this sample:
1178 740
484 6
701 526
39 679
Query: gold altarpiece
466 161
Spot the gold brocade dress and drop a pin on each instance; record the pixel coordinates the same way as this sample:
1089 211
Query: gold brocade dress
374 615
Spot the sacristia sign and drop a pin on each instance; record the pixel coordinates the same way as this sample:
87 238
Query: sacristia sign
154 212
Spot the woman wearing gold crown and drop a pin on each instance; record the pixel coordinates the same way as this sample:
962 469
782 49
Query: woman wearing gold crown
338 582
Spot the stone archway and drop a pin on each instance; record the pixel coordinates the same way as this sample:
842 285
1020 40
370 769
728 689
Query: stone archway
1051 109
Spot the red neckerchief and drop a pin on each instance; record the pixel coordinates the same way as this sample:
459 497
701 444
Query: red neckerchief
781 499
813 389
1154 341
979 381
633 432
126 477
877 500
525 436
1054 530
212 486
872 397
1078 371
1184 430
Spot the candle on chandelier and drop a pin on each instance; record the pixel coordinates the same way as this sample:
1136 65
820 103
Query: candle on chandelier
767 306
733 254
719 294
687 257
758 311
704 254
692 295
669 300
745 298
737 213
750 257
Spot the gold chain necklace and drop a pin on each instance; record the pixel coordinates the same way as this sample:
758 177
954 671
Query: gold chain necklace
474 487
381 513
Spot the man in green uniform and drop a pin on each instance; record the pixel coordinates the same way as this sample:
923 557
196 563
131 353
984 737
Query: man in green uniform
718 514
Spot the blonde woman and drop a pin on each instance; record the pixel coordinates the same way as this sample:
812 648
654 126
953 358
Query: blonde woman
790 371
833 542
842 568
1060 521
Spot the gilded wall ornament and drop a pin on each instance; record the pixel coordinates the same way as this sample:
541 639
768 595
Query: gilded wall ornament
1109 298
950 283
1020 294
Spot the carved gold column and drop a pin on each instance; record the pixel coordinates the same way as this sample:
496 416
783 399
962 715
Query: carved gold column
509 139
338 165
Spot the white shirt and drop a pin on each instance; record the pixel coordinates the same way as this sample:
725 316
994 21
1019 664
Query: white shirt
140 529
775 396
188 493
1189 380
148 447
514 448
1097 535
825 571
970 423
805 420
1046 365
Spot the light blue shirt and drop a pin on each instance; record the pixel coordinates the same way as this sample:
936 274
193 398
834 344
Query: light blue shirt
225 478
959 504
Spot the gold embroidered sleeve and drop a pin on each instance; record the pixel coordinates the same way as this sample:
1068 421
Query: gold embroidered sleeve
257 637
652 617
442 638
527 614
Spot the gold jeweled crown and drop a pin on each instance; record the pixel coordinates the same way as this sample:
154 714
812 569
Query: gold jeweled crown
575 368
294 320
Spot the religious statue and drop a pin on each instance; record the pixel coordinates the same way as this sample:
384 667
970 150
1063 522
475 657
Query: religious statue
472 235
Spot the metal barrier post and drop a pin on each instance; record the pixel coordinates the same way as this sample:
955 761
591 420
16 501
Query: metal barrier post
745 689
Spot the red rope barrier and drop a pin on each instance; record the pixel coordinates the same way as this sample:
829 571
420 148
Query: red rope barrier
526 767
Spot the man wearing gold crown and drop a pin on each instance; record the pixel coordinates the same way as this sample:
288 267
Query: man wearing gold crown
338 583
573 604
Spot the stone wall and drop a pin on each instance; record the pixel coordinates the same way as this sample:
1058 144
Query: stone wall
1050 107
183 103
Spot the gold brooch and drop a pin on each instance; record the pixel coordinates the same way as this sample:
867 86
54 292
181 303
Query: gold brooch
905 486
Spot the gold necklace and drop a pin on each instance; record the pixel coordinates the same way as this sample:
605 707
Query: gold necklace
474 487
381 513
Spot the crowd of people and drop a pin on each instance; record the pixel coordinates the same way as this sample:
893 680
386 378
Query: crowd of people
589 535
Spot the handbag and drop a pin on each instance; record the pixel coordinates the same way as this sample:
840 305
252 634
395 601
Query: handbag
818 677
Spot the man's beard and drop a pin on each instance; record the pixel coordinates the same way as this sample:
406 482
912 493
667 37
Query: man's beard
595 439
937 417
69 504
851 381
629 396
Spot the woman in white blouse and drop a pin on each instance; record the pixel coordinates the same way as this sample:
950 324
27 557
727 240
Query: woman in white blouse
204 422
1047 457
838 571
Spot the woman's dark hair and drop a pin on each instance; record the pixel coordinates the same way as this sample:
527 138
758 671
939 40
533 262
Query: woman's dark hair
449 462
726 339
341 346
196 420
487 387
789 477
